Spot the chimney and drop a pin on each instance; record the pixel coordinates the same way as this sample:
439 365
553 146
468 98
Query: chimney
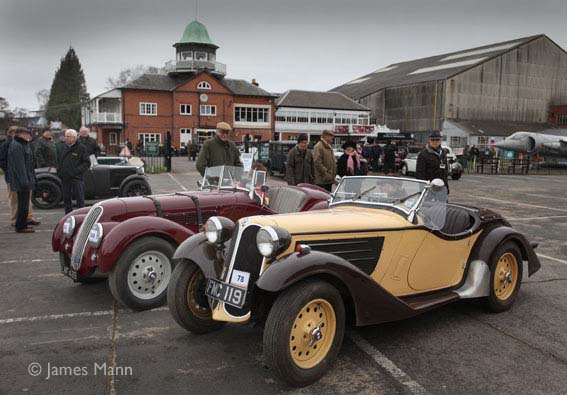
254 82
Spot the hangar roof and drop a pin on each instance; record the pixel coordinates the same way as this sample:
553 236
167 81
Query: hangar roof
433 68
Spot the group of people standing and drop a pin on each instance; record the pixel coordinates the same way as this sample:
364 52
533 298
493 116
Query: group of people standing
19 157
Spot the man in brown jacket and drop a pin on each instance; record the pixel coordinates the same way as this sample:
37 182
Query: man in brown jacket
324 161
299 166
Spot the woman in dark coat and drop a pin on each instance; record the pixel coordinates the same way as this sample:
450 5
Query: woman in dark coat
349 163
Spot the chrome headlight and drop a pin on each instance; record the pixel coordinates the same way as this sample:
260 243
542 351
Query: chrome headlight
95 236
69 226
218 229
272 241
140 170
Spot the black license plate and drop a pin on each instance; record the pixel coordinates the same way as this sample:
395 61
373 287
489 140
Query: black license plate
226 293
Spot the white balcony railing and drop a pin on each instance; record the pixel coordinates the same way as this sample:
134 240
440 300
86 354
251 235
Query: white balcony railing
108 117
216 67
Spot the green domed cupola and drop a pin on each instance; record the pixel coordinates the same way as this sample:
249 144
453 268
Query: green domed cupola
197 52
196 33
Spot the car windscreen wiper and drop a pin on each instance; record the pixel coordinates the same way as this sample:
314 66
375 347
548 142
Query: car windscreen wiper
361 194
406 197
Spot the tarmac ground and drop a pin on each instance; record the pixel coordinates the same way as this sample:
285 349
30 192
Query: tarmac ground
59 337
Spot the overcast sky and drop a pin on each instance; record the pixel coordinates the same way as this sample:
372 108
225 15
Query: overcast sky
284 44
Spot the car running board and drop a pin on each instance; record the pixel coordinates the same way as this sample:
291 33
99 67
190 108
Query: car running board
426 302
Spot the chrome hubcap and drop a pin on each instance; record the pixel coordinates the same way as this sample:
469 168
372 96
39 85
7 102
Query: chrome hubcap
316 335
149 275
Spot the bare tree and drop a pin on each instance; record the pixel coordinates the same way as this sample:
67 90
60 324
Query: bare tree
132 73
42 97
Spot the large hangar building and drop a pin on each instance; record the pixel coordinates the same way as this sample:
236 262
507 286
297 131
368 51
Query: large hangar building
473 96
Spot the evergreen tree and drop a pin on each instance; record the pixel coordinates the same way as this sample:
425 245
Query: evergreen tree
68 92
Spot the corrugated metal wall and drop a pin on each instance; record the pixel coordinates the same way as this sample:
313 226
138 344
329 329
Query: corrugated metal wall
517 86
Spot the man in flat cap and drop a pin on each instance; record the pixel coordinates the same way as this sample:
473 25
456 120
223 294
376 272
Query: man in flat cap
432 161
219 150
299 166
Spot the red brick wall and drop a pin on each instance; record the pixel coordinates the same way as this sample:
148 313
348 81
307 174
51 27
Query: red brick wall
169 117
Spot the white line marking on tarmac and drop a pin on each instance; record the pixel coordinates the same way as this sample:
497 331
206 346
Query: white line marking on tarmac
520 204
177 181
546 196
30 260
398 374
36 231
533 218
552 258
53 317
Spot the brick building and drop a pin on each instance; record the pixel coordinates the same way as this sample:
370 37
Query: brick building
188 101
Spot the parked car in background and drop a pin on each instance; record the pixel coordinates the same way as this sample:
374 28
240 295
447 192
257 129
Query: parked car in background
408 165
101 181
278 156
387 249
132 240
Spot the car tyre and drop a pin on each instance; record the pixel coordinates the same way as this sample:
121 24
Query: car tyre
50 187
505 277
187 301
140 277
136 188
291 345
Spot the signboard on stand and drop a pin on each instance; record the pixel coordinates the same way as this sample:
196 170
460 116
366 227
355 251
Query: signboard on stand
151 148
247 159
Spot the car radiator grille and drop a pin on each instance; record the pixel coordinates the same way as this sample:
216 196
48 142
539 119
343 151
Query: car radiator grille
362 253
247 258
83 235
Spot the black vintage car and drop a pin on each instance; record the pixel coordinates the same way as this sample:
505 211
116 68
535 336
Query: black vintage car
101 181
278 156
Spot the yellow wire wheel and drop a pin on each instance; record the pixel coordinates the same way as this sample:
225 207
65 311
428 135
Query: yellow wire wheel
312 333
197 302
505 276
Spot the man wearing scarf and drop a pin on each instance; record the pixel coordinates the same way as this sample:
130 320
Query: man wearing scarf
432 161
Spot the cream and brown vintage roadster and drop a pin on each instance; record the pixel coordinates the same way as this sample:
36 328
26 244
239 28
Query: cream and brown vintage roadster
386 249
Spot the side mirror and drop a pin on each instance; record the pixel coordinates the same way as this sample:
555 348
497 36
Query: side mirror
437 185
265 188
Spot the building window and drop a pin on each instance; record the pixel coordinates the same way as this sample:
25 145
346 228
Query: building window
148 108
185 109
112 138
149 137
185 131
208 111
562 120
200 56
186 55
321 118
251 114
457 142
204 85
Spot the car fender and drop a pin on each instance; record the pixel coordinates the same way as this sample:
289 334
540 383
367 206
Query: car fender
204 254
58 239
372 304
123 234
49 176
485 246
133 177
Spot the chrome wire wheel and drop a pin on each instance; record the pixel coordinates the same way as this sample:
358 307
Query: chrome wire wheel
505 276
149 274
312 333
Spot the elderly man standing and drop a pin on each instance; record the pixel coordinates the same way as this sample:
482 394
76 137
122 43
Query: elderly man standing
21 176
432 161
89 143
74 162
324 161
219 150
299 166
45 152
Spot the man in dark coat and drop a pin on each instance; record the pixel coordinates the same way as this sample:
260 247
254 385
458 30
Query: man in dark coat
89 143
219 150
389 158
432 161
21 176
73 164
299 166
45 152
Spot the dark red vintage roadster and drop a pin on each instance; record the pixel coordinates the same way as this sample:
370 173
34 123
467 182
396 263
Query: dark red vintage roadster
131 241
